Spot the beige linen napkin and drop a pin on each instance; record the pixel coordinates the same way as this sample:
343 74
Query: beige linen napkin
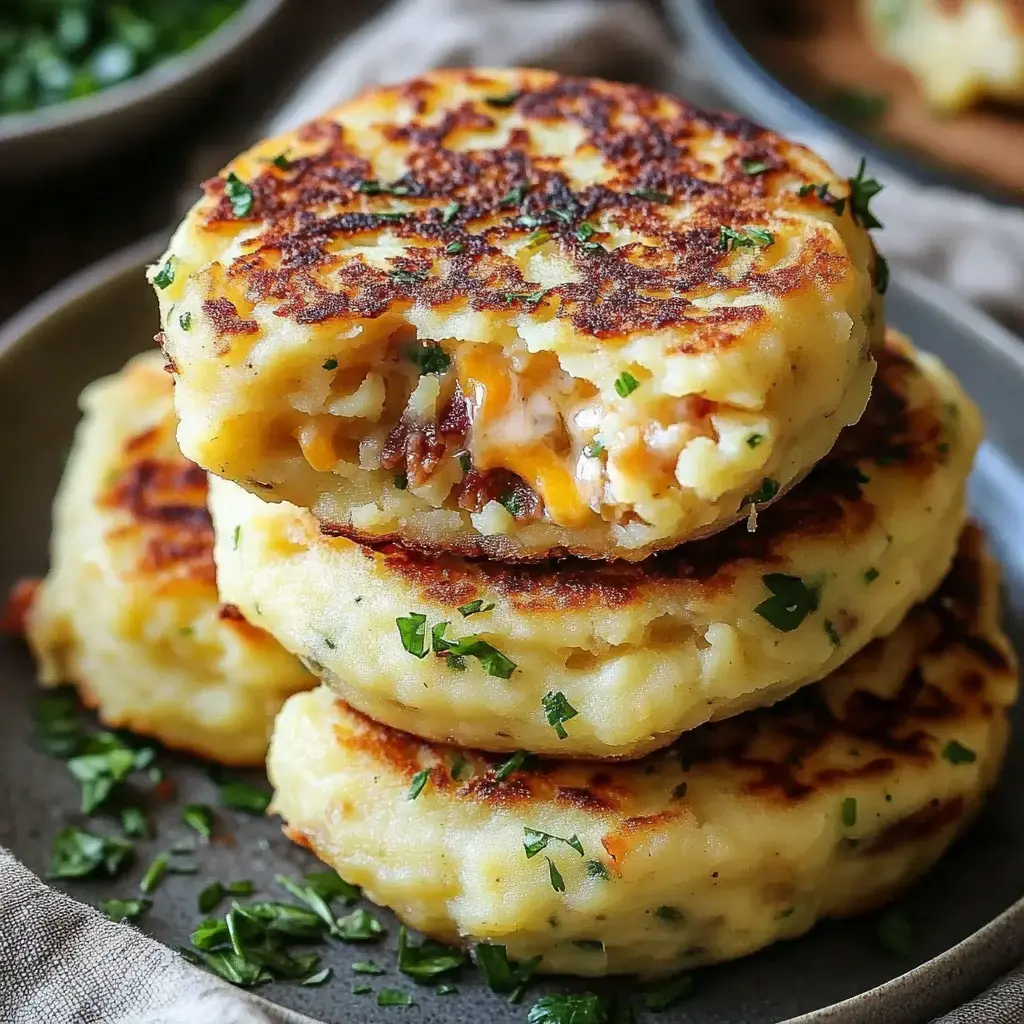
65 963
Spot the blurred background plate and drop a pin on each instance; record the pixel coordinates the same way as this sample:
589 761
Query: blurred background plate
967 915
806 68
65 134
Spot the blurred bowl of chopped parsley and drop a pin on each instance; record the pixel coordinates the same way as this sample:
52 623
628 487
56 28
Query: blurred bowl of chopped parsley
78 77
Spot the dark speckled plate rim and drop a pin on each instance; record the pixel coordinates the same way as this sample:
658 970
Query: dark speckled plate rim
933 987
750 87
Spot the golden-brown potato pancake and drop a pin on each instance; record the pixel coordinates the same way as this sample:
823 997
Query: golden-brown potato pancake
514 314
641 652
962 52
742 833
129 612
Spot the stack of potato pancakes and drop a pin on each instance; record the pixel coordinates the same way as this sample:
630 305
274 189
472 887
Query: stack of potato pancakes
555 427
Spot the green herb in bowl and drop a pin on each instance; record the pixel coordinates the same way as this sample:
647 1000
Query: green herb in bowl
52 51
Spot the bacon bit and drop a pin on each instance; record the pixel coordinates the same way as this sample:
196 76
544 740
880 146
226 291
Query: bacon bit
478 488
14 616
415 445
165 790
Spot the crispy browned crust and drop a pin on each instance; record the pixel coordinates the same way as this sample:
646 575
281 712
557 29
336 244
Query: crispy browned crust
320 201
164 499
829 502
784 754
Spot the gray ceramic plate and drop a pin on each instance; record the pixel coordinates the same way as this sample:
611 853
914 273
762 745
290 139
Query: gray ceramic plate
967 923
726 34
68 133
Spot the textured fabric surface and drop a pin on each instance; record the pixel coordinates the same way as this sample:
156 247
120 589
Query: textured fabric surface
63 961
66 964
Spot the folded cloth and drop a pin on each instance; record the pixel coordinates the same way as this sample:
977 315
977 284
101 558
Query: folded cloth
62 960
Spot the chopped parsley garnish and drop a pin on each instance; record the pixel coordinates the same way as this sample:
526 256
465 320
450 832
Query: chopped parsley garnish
862 191
791 601
331 886
367 967
373 187
330 363
154 873
511 766
105 763
503 975
239 194
665 994
651 194
594 449
558 711
491 659
407 276
401 481
585 231
451 211
413 632
427 960
534 841
849 811
626 384
667 913
419 780
881 274
533 297
505 100
821 190
870 575
537 238
557 883
210 896
754 166
832 633
281 161
241 796
133 823
185 321
200 818
446 990
124 910
361 990
595 869
749 238
57 728
454 248
319 977
236 536
769 489
513 503
895 934
569 1008
754 440
164 277
475 607
230 966
956 753
359 926
429 357
393 997
458 768
514 196
465 461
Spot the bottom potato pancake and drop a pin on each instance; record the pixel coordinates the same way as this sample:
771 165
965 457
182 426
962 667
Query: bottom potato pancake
130 612
741 833
641 652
